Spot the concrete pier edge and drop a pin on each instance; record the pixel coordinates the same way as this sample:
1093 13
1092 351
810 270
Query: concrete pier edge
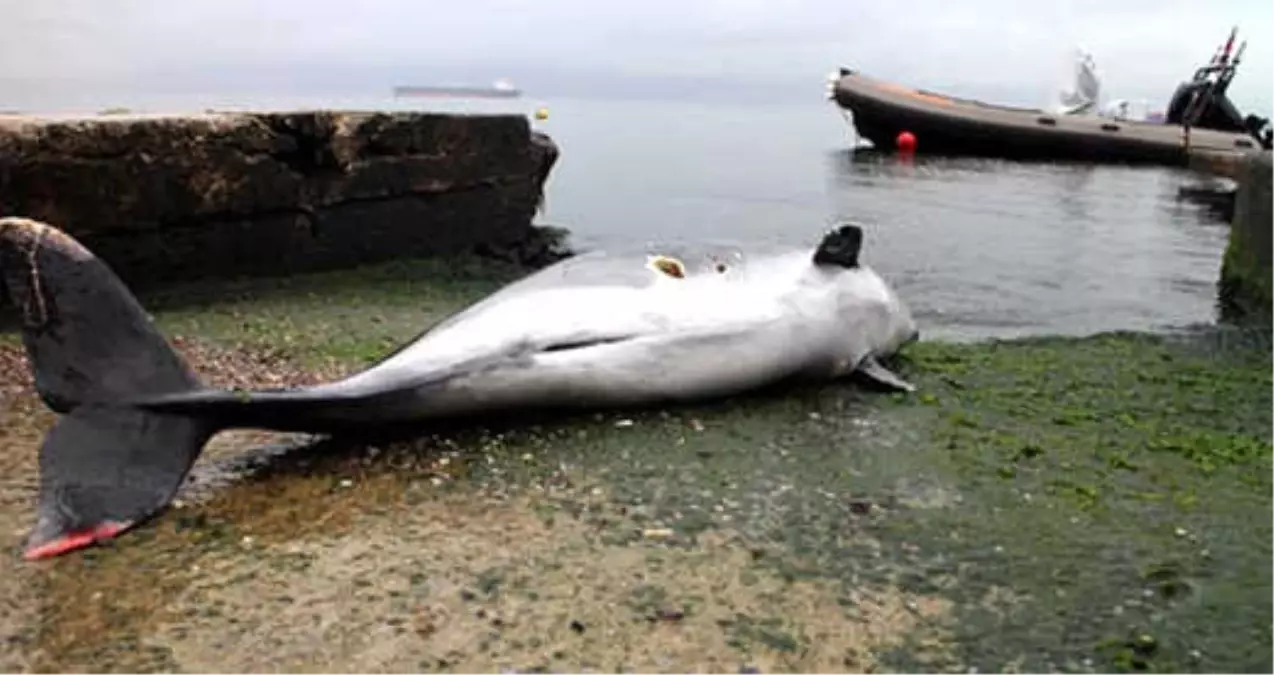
1244 287
167 198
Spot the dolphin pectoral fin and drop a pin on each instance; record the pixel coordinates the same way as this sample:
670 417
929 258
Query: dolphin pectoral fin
872 370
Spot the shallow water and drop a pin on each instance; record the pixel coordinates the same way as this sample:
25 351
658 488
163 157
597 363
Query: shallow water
979 248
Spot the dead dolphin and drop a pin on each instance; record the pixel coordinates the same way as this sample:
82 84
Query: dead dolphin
593 330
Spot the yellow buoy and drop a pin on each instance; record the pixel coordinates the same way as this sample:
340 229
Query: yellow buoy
542 114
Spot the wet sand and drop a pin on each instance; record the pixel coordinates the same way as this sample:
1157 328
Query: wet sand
401 558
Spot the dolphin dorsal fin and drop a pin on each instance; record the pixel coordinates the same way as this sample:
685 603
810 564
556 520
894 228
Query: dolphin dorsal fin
840 247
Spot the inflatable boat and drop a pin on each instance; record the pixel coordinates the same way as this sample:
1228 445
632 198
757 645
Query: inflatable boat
941 124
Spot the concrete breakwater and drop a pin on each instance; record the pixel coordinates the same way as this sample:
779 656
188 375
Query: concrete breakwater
1245 285
167 198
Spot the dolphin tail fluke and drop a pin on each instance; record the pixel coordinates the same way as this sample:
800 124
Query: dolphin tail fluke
106 465
105 469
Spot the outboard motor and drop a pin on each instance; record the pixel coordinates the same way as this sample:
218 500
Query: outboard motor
1213 111
1261 129
1202 102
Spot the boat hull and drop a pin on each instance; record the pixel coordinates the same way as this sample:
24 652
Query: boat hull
951 126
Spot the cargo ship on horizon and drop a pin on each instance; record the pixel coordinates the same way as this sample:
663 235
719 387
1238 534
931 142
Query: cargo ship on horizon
498 89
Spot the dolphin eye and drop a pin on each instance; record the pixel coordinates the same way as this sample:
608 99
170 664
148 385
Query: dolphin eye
721 268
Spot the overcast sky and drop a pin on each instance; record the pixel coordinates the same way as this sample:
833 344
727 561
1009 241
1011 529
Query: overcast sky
1017 49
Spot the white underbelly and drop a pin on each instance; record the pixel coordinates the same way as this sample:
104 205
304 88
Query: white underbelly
640 371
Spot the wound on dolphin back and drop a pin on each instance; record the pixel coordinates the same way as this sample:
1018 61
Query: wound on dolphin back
840 247
105 464
668 266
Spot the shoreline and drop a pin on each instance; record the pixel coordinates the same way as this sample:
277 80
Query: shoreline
1081 498
1096 502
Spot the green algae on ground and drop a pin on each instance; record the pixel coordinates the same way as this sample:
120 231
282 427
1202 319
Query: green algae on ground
351 316
1050 504
1125 480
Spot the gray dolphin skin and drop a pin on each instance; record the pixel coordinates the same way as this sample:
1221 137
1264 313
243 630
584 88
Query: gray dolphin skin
594 330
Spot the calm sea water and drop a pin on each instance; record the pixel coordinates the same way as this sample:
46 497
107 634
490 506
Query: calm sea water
978 248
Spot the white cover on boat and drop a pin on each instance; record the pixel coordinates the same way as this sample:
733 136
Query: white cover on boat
1082 97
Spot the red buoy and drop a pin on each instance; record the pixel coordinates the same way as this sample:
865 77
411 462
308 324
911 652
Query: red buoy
906 142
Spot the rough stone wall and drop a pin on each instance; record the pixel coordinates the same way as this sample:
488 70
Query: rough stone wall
1245 286
164 198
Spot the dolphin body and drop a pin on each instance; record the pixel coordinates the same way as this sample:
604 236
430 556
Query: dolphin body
594 330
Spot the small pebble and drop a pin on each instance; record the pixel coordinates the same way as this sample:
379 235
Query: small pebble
1196 654
577 626
346 483
97 595
527 457
815 416
1180 532
657 533
670 615
247 540
623 423
696 425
